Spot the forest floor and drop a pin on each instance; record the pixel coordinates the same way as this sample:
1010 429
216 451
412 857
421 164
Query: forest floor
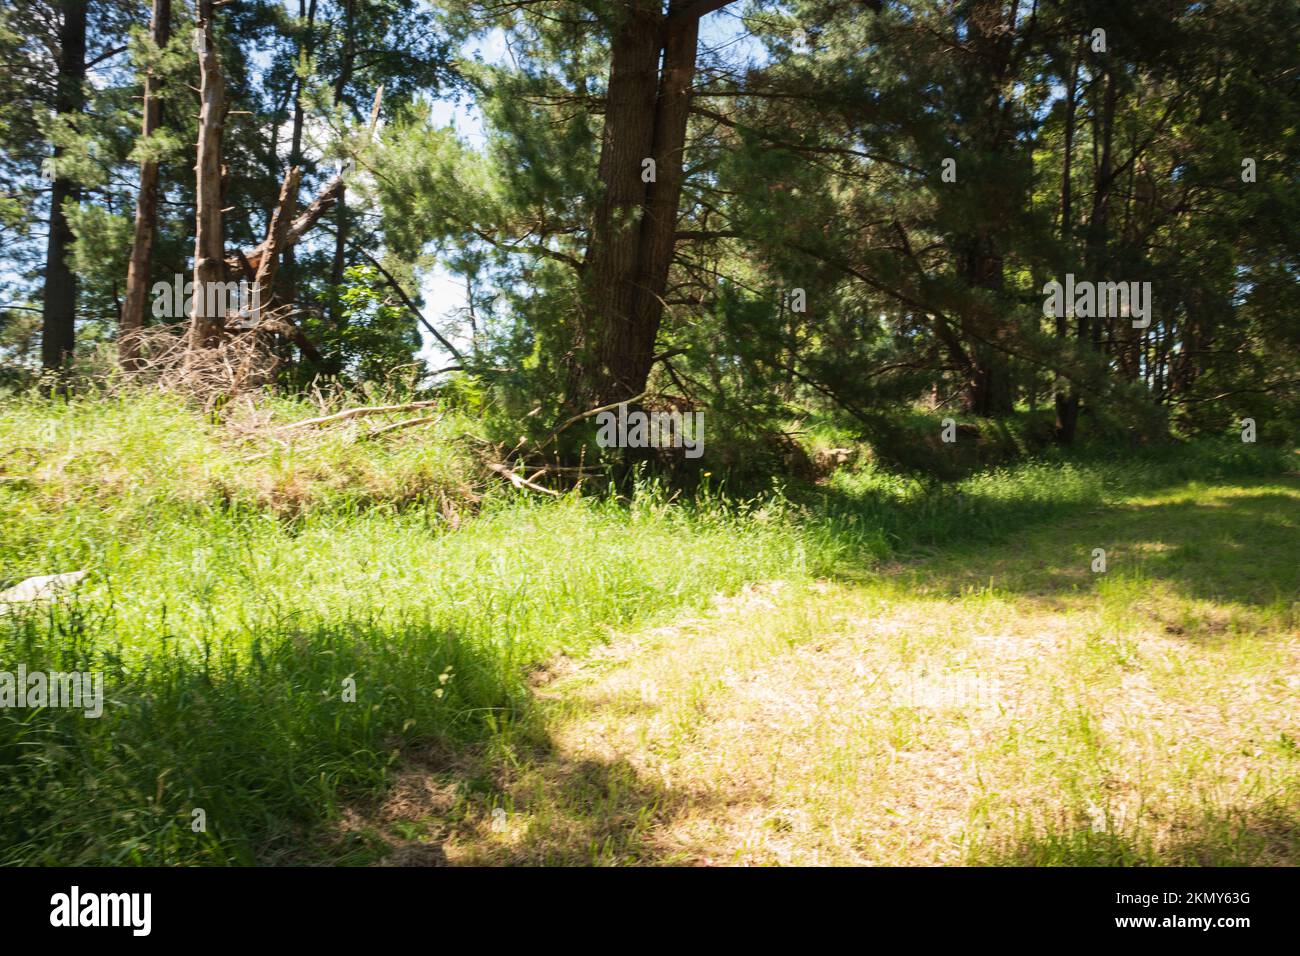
1002 704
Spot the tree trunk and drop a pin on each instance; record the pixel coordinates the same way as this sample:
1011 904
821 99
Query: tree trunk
1067 416
979 256
988 392
663 197
277 233
290 265
59 308
633 232
209 243
146 209
1066 398
341 211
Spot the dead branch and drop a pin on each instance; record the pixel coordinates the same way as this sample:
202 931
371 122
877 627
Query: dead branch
519 482
235 365
277 232
587 414
410 306
408 423
323 202
356 413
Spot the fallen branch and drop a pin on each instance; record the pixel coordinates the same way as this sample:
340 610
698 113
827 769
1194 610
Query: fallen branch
519 482
355 413
587 414
428 419
236 365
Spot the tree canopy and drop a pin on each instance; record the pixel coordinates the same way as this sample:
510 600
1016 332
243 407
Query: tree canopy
770 209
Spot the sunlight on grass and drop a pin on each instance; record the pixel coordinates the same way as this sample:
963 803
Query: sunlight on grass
639 679
948 714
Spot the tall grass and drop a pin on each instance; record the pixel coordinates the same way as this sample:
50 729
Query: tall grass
241 585
227 619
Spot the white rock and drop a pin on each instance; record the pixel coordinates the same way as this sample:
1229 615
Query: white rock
40 588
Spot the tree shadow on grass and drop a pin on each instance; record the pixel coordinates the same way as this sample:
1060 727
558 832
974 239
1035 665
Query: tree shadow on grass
1242 550
529 802
266 738
538 806
1232 836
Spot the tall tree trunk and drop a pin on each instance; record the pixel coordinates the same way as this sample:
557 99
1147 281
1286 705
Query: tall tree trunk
635 222
146 208
1096 250
341 211
209 242
979 257
1096 253
988 392
59 307
289 268
1066 397
663 196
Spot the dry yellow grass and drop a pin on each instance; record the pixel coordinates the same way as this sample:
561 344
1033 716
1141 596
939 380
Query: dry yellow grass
997 706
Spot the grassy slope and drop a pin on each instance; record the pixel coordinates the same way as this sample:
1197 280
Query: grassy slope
240 580
230 600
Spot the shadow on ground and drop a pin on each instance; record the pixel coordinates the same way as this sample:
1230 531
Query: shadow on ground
533 806
1260 836
528 802
1242 549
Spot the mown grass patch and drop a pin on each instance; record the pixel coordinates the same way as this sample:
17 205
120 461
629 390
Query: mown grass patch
988 707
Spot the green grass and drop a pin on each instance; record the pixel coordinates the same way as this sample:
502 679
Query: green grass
1000 704
227 623
238 581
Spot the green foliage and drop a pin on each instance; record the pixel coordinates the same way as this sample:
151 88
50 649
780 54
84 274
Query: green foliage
225 619
378 335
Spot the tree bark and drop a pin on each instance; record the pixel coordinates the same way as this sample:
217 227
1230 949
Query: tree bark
146 208
248 261
1066 397
988 392
290 266
59 306
663 196
341 210
979 247
209 242
633 232
277 234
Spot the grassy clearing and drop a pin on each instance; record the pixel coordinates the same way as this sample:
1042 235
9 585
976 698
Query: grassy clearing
986 706
240 579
